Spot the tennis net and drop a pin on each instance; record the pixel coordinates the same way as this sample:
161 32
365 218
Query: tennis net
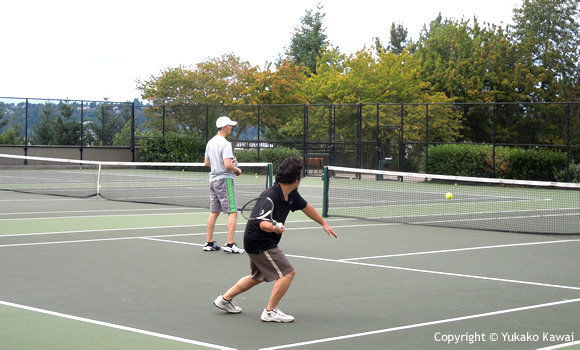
476 203
182 184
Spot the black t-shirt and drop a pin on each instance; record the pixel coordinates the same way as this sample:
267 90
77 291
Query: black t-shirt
257 240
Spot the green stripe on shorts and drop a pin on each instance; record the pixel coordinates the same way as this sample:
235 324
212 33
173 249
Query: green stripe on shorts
231 195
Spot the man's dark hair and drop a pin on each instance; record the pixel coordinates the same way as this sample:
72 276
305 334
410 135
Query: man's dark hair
289 171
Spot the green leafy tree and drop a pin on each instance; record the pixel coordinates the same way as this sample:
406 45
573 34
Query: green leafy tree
548 36
470 63
308 41
366 78
220 81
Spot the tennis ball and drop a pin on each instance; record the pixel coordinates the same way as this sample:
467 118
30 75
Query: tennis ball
448 195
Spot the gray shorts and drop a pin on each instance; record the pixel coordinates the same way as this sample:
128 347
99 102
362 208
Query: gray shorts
222 196
270 265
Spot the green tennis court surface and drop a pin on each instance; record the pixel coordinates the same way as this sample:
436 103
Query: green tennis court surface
99 274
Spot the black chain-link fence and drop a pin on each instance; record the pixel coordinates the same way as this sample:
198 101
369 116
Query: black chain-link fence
372 136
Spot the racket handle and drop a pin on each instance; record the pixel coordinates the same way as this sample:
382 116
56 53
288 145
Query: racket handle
278 225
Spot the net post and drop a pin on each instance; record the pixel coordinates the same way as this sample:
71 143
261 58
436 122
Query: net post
270 174
99 182
325 180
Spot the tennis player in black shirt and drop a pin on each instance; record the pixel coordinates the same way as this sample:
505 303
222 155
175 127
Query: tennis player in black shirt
267 262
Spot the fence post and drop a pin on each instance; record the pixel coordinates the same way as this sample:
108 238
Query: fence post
493 143
378 140
426 138
259 109
82 128
568 143
304 138
359 136
401 142
133 131
26 131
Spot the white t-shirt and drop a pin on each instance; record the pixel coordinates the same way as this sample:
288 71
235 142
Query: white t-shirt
216 150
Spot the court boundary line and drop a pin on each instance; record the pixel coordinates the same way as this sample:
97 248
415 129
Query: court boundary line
114 326
462 249
158 227
423 324
87 211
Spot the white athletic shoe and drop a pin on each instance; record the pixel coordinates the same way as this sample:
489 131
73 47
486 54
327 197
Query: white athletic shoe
234 249
227 305
211 247
276 315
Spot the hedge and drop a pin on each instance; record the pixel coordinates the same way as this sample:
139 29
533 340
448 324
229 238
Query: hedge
510 163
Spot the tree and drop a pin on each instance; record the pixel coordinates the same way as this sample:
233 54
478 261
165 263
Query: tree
110 120
219 81
308 41
388 78
398 38
548 36
43 132
3 121
66 130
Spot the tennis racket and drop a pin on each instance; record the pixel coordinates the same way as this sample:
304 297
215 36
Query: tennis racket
260 208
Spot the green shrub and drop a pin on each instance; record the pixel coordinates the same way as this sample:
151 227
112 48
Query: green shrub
532 164
510 163
268 155
174 149
460 160
574 173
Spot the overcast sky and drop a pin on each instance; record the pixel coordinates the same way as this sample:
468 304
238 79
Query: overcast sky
90 50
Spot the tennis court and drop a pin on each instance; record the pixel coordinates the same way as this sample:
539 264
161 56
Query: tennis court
87 273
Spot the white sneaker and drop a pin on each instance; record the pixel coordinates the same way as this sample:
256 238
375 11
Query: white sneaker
227 305
276 315
211 247
234 249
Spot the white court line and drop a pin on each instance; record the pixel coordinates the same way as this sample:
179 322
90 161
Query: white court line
460 249
170 241
102 230
158 227
90 211
115 326
424 324
560 346
100 216
440 273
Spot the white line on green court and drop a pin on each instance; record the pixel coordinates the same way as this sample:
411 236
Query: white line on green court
100 216
424 324
152 228
111 325
460 249
92 211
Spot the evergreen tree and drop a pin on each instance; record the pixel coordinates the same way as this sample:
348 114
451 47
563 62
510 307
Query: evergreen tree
309 40
43 132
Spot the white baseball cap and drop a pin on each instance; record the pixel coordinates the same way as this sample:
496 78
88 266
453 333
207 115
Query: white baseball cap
223 121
